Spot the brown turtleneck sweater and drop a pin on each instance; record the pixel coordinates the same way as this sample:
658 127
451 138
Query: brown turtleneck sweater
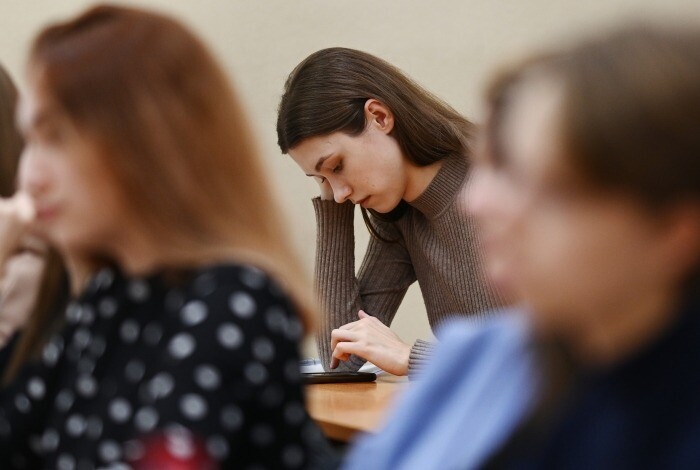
437 246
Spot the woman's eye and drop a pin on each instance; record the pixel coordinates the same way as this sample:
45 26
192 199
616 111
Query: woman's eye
320 179
51 135
337 168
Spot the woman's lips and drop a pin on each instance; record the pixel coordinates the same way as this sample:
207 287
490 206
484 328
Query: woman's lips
45 213
363 202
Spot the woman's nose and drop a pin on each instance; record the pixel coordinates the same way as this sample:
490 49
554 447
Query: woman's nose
341 192
31 177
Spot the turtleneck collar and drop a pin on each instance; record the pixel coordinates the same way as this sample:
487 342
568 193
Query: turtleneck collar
443 189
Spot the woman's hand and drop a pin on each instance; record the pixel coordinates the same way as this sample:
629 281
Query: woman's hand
372 340
15 215
326 190
19 288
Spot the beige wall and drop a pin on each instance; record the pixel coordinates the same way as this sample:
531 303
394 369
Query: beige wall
449 46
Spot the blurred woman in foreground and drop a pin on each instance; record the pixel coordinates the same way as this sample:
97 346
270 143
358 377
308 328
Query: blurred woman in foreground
182 349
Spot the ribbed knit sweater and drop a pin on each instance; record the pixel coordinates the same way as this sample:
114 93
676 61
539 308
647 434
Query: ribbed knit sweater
437 246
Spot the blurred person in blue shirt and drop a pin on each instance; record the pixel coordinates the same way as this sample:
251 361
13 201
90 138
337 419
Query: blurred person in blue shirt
587 191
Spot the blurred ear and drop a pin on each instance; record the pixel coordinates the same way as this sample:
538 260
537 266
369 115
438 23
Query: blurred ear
379 115
682 240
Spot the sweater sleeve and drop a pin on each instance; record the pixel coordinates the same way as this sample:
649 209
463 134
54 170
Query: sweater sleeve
385 275
420 355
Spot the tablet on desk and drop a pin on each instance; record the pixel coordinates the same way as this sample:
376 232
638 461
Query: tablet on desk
337 377
314 365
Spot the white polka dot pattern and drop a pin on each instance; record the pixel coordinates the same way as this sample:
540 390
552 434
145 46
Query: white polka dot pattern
133 450
207 377
210 365
50 440
193 406
93 427
182 345
107 307
134 370
129 331
75 425
65 462
194 312
146 419
109 451
64 400
119 410
263 349
218 447
36 388
242 304
86 386
152 333
138 290
230 336
231 417
22 403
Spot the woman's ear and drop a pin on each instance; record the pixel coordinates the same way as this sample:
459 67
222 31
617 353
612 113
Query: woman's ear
682 241
378 114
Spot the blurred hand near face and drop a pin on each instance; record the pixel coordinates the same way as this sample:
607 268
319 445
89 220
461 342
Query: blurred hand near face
372 340
21 263
16 213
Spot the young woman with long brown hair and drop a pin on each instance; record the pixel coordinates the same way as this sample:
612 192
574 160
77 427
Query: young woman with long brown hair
139 163
588 191
374 138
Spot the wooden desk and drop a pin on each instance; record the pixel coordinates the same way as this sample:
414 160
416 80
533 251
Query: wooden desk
343 410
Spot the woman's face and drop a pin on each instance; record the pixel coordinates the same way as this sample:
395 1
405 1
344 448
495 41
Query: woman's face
575 253
368 169
78 206
492 198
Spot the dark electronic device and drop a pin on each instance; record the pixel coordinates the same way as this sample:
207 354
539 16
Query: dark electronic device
337 377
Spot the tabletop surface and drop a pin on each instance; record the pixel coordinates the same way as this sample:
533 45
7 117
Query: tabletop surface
344 409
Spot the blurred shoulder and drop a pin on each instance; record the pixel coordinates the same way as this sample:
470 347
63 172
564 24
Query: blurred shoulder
504 328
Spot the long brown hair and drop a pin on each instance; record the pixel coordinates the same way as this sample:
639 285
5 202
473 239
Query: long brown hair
46 316
53 288
327 92
10 140
172 133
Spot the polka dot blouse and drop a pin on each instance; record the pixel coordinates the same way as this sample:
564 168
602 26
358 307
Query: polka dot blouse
198 367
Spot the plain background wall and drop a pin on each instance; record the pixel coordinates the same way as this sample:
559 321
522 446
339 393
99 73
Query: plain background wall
449 46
